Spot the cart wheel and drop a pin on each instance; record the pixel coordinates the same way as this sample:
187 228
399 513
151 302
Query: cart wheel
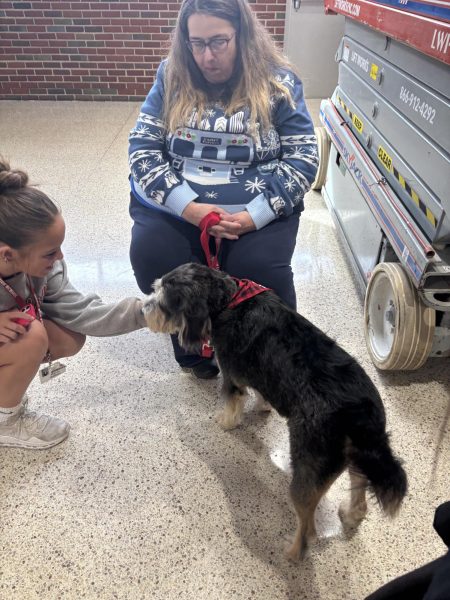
323 143
398 327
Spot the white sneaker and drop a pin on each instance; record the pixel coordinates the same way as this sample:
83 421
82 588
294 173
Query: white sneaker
22 428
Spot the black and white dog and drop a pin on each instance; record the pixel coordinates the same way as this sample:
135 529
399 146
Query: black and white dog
334 413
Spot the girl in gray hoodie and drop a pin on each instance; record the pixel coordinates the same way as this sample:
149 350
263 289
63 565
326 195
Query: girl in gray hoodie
42 316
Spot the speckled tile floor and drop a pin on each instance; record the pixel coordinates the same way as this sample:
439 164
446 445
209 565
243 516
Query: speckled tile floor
148 498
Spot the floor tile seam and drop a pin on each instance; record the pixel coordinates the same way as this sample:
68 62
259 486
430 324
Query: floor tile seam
110 145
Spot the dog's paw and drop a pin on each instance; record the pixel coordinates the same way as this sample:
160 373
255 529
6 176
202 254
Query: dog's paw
293 551
227 420
351 518
297 548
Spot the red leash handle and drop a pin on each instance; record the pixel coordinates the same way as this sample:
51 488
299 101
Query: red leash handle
208 221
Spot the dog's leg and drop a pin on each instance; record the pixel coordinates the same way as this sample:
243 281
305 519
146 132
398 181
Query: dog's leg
306 528
352 513
306 495
261 405
230 416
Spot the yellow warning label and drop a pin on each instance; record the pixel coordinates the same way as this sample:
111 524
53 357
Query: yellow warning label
357 123
385 158
374 71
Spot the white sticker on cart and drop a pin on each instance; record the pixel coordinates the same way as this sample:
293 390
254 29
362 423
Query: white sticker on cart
405 253
346 52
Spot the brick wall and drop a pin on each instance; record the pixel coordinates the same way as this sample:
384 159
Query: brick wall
92 50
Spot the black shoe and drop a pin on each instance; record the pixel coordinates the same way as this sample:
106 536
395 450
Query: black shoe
207 369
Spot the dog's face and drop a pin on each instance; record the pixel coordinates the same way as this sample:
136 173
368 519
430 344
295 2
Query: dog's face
184 300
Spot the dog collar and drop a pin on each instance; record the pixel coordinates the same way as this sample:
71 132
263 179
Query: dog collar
246 289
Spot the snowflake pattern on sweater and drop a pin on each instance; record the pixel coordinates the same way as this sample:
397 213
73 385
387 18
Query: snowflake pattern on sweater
214 158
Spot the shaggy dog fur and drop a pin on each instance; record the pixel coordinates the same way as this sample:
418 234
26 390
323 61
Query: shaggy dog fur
334 413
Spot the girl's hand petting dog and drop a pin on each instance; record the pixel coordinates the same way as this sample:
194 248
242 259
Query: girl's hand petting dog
9 329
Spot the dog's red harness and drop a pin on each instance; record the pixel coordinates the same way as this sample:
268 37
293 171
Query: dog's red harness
246 287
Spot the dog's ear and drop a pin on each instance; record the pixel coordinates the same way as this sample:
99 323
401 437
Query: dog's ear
195 326
221 292
176 299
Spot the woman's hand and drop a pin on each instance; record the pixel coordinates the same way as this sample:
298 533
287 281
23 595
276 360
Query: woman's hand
195 211
9 329
228 223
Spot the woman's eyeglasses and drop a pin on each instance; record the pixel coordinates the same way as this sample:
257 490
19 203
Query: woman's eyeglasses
216 45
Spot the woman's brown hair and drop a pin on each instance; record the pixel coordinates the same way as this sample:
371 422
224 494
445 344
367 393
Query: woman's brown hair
258 58
25 211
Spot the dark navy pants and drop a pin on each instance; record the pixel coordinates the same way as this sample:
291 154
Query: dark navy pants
161 242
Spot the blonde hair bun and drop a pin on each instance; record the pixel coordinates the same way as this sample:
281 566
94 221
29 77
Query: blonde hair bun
11 179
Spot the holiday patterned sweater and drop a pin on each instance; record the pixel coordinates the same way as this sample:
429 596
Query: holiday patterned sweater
218 162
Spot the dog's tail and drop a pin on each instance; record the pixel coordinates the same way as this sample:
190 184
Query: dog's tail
370 453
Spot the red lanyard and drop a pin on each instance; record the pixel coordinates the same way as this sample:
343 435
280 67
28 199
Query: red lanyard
19 300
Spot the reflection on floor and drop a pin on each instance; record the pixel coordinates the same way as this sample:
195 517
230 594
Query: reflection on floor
149 499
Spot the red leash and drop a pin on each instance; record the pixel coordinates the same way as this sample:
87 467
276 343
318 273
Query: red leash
210 220
245 287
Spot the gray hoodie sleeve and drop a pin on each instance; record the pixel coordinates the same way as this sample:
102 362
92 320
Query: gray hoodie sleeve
87 313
